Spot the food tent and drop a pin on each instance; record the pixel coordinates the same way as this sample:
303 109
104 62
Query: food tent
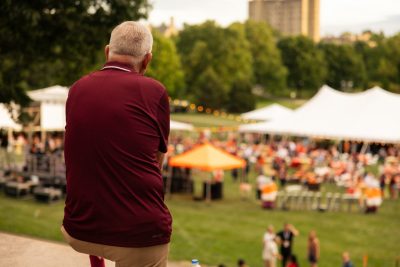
6 121
271 112
206 157
180 126
370 116
52 107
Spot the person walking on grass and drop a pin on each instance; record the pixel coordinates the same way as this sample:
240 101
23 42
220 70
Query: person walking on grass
292 261
270 248
117 127
286 239
313 248
346 260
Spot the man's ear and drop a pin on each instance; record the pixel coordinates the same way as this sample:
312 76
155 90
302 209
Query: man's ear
146 62
107 51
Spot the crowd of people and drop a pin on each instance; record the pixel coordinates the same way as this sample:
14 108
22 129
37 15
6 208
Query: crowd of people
278 248
302 161
284 239
284 162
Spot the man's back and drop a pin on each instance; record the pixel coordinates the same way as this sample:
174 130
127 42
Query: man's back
117 121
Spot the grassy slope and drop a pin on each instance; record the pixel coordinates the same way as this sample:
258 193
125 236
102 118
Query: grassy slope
205 120
222 232
290 103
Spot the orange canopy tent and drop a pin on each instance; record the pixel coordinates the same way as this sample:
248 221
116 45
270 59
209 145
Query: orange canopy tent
206 157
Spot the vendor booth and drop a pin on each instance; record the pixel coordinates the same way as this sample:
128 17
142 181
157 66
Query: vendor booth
207 158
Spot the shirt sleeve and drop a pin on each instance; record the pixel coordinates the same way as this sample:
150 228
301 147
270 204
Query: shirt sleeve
163 122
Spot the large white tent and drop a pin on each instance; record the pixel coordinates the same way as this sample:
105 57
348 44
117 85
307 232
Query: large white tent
271 112
52 106
371 116
5 119
180 126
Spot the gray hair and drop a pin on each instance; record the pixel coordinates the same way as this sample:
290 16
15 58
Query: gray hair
132 39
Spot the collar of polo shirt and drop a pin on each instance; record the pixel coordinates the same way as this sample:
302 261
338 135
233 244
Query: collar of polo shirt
119 66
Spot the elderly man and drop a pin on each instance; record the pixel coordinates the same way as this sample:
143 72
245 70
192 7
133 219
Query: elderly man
116 136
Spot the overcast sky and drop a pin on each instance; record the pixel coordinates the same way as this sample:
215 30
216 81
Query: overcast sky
337 16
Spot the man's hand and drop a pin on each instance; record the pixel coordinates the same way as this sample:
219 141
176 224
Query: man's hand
293 230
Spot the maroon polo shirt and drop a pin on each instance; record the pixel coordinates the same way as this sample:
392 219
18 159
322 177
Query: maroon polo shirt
117 121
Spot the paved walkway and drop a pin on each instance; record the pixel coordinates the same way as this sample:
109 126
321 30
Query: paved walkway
18 251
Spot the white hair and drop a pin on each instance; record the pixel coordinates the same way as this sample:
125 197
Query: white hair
131 38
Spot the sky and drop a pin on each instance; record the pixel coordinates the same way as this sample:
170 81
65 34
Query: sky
337 16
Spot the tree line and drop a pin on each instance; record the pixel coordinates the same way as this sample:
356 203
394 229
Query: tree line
56 42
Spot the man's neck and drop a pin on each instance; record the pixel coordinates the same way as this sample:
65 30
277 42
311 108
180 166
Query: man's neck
127 60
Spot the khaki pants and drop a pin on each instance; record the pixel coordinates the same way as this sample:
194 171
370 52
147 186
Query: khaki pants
156 256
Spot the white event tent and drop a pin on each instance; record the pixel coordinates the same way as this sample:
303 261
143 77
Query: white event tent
370 116
180 126
6 121
52 107
271 112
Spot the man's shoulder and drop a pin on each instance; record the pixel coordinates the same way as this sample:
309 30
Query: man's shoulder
82 79
148 81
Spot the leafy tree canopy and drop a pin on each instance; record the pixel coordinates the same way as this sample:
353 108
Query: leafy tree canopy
48 42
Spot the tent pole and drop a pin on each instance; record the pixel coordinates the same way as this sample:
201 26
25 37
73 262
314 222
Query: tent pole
208 190
43 136
364 148
169 182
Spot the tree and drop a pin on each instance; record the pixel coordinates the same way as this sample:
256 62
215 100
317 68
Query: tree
210 49
199 48
382 61
209 89
305 62
393 57
166 65
63 38
241 98
269 71
344 64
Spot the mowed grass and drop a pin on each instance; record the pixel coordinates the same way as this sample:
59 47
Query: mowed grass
204 120
289 103
223 231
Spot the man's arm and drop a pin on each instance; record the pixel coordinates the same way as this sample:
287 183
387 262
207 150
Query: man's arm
294 230
160 159
163 123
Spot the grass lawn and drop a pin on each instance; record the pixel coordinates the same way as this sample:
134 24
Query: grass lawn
204 120
222 232
290 103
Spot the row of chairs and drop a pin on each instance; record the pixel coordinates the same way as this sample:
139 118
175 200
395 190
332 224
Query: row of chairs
307 200
31 186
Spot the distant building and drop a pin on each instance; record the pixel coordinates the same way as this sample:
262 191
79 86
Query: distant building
168 30
350 38
290 17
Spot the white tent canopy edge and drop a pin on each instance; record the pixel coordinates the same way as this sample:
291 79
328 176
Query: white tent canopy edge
369 116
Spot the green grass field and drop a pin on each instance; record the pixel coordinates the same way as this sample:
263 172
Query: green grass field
204 120
223 231
289 103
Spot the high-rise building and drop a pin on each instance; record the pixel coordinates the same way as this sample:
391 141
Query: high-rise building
291 17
